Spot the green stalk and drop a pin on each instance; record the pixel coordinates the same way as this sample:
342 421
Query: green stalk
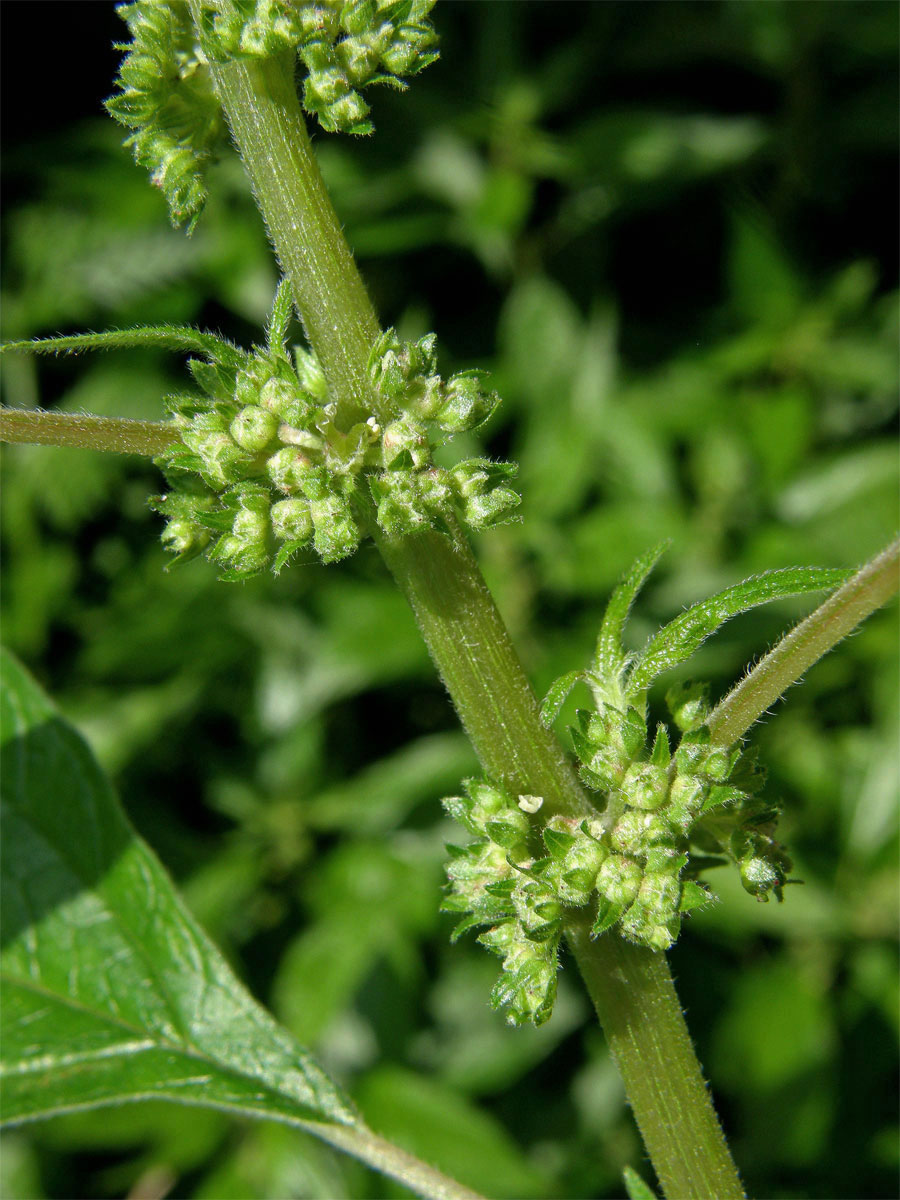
117 434
475 657
337 315
631 988
872 586
635 999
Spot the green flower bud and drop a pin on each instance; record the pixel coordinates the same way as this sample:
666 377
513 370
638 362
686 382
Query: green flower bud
251 525
493 508
246 550
485 864
509 828
280 398
184 537
254 428
692 751
222 461
406 437
486 801
249 382
398 503
538 910
311 376
718 762
635 832
660 894
528 982
642 926
576 874
686 796
287 468
291 520
465 404
619 879
688 704
358 59
348 114
760 876
484 501
560 834
645 786
336 532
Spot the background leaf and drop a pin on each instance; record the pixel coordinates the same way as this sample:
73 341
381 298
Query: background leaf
111 992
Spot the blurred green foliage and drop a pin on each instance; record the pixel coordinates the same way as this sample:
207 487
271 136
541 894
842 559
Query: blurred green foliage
667 229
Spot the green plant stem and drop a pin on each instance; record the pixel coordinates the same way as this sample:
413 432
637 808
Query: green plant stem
461 626
117 434
632 990
872 586
474 655
331 299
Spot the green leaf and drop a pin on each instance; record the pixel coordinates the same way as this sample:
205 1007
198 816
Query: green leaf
111 992
635 1186
609 657
280 318
556 696
677 641
159 337
693 895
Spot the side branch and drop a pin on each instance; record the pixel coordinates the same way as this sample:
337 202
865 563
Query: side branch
872 586
116 434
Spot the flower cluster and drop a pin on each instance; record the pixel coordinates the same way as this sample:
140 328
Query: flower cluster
167 97
166 94
262 470
344 45
655 818
658 805
631 861
495 882
411 492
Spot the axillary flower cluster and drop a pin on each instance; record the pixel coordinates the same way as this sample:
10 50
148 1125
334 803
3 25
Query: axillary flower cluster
658 817
262 469
635 862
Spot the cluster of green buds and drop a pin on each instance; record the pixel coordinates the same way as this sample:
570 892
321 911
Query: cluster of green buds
660 805
166 94
494 882
262 469
411 492
344 45
654 818
167 97
634 863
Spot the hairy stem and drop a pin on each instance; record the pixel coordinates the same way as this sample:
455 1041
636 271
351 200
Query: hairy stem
872 586
635 999
465 635
117 434
472 651
337 315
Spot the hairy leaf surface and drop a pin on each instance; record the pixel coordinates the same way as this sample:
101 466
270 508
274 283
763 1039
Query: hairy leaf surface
677 641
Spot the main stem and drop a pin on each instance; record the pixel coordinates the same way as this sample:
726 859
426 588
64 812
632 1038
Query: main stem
630 986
